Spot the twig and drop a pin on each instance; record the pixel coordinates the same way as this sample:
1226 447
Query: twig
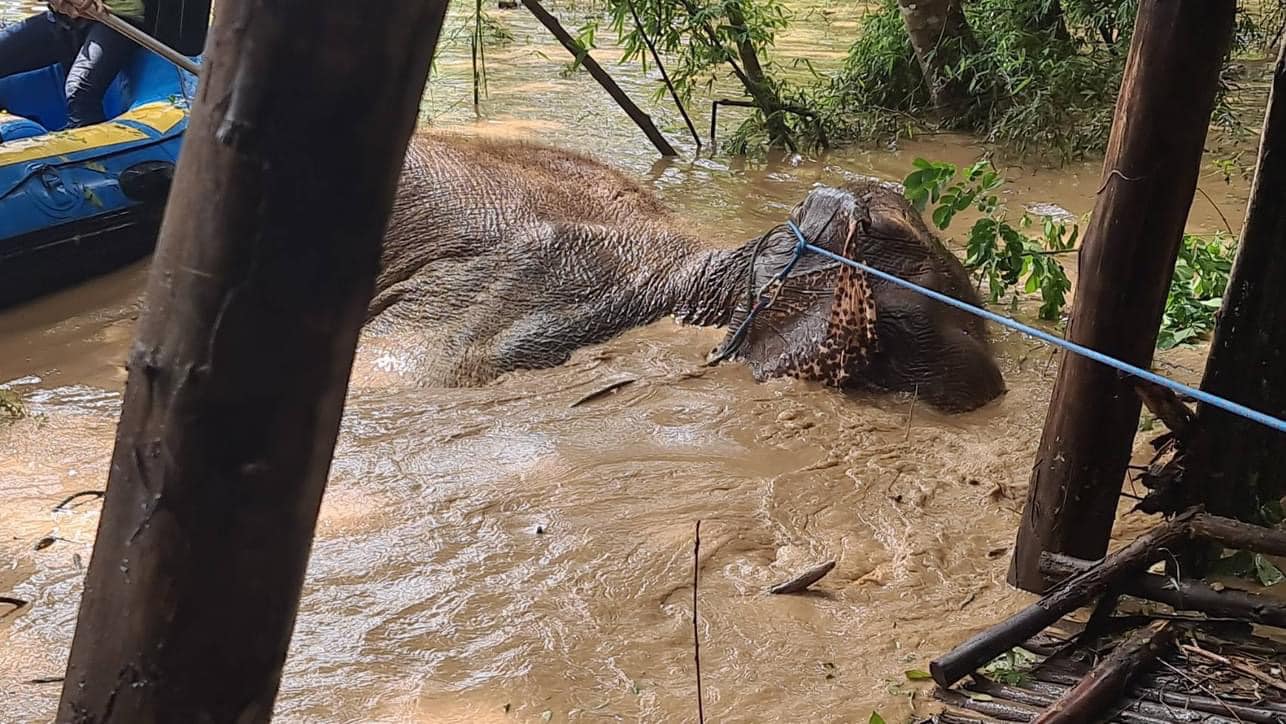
81 494
804 580
607 389
696 634
1199 685
1252 672
911 413
17 603
1217 210
656 57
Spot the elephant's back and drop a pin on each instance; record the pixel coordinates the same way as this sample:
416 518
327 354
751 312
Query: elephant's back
516 179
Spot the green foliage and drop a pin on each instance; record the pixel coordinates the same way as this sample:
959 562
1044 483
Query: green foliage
999 254
1244 564
1012 667
1200 278
1023 258
1039 80
707 39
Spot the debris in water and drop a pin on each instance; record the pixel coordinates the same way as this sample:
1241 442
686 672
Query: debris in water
17 603
82 494
540 530
804 580
45 542
610 388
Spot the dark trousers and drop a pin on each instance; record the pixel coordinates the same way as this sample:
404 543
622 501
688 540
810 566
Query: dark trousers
94 52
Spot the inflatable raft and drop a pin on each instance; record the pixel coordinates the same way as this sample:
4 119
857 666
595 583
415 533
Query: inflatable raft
82 202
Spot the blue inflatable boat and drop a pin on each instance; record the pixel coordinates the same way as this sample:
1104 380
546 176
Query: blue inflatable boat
81 202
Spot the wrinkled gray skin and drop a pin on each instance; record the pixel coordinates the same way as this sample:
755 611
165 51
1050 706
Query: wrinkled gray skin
502 256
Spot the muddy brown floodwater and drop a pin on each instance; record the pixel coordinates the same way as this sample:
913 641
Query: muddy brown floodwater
496 555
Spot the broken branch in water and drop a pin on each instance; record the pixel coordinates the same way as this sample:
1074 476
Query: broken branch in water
17 603
696 633
82 494
804 580
611 387
1181 595
1105 683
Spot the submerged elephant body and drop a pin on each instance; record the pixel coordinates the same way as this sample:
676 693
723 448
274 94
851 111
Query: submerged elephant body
503 256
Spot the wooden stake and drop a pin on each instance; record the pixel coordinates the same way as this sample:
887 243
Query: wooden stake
238 373
1126 263
636 114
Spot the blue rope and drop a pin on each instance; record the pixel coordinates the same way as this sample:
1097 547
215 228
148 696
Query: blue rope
1225 405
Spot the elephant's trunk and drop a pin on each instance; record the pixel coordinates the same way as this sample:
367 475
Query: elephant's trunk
709 284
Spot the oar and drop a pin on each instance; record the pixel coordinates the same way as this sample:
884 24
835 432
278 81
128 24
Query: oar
138 36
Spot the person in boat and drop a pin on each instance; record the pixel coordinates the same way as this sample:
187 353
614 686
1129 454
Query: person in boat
65 33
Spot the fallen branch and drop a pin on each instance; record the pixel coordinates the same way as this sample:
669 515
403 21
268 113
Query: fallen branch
82 494
1166 405
636 114
602 391
1062 600
804 580
1241 536
1104 685
17 603
1179 594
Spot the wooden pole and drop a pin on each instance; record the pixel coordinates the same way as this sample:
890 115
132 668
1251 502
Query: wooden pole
1237 463
636 114
1150 176
237 377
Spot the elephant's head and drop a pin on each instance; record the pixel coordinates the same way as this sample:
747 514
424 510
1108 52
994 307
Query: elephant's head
833 324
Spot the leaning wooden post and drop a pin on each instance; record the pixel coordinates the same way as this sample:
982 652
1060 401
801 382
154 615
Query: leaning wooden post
237 376
636 114
1235 466
1150 176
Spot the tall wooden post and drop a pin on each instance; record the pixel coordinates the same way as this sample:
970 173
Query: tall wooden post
1234 465
237 376
1150 176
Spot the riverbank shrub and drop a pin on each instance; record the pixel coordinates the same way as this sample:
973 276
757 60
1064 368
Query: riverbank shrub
1013 255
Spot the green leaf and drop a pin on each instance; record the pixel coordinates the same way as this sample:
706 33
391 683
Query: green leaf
875 719
1267 573
918 675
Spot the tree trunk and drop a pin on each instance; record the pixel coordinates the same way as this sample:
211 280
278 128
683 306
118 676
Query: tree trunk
1049 18
237 377
636 114
1126 263
940 37
1235 465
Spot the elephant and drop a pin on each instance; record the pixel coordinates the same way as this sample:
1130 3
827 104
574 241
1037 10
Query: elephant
502 255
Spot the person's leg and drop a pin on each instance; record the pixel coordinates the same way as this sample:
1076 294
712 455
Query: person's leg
102 56
36 42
